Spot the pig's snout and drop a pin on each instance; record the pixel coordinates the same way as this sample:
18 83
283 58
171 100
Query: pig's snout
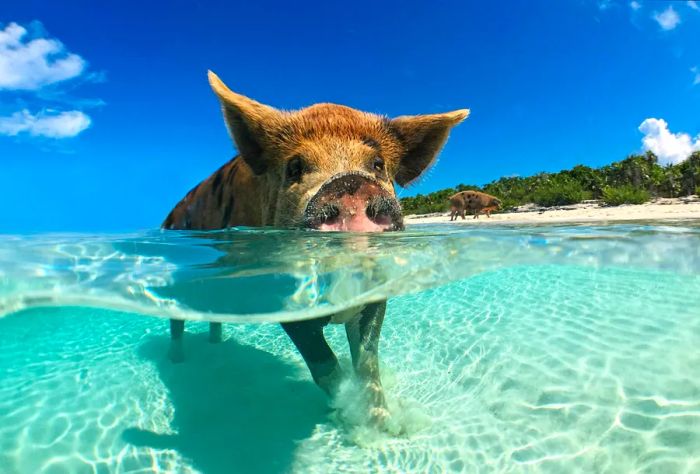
353 203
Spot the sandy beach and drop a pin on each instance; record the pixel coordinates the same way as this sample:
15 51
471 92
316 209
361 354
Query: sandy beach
588 211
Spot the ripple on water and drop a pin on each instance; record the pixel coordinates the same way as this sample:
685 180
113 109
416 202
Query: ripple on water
528 369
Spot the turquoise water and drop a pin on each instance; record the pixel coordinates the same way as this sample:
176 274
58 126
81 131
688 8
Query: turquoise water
505 349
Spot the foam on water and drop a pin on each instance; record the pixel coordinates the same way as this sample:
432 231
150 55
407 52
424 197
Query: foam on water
538 368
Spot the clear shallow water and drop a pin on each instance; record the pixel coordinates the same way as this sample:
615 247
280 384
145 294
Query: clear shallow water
248 275
565 349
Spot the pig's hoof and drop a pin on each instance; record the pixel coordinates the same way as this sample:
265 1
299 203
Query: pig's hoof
331 383
379 414
382 420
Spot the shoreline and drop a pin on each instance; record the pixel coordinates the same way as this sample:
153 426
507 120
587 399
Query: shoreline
588 211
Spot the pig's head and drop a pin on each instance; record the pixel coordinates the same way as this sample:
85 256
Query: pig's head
330 167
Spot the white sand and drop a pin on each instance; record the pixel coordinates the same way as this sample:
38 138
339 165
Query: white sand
589 211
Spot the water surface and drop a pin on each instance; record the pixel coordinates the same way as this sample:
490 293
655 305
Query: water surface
506 349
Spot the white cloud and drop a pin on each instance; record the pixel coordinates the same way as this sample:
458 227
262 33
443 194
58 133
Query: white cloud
694 5
32 64
696 73
45 124
669 147
635 5
667 19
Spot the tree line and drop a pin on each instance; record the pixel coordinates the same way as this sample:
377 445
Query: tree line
634 180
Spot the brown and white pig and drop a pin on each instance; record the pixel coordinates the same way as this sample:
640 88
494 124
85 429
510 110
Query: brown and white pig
326 167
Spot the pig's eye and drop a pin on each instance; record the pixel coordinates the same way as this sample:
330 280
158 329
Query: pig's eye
295 168
378 164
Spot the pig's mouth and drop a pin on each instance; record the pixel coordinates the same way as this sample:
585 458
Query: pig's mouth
353 203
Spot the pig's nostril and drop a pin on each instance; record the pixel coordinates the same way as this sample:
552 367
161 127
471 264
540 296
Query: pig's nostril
372 211
329 213
324 214
377 210
384 211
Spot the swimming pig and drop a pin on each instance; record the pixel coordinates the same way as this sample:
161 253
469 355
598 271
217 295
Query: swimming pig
475 201
326 167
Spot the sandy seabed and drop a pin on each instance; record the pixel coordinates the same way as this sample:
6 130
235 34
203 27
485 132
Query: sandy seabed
588 211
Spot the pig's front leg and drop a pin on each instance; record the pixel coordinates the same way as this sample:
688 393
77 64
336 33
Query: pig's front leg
308 338
363 336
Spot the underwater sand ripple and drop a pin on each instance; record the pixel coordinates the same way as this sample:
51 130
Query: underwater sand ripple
528 369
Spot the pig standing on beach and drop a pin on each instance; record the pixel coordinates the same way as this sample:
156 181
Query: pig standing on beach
326 167
474 201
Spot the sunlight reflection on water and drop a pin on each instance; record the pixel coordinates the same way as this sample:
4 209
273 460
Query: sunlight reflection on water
279 275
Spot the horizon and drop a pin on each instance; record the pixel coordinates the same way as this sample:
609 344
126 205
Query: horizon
107 119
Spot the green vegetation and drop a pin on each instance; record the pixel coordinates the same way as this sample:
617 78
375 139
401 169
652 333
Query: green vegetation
627 194
559 190
635 179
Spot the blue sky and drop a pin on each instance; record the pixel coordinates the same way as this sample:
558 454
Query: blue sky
107 120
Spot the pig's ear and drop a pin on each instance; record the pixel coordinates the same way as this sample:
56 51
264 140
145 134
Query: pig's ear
247 122
422 137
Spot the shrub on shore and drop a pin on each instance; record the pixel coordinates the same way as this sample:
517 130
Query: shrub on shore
626 194
560 191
